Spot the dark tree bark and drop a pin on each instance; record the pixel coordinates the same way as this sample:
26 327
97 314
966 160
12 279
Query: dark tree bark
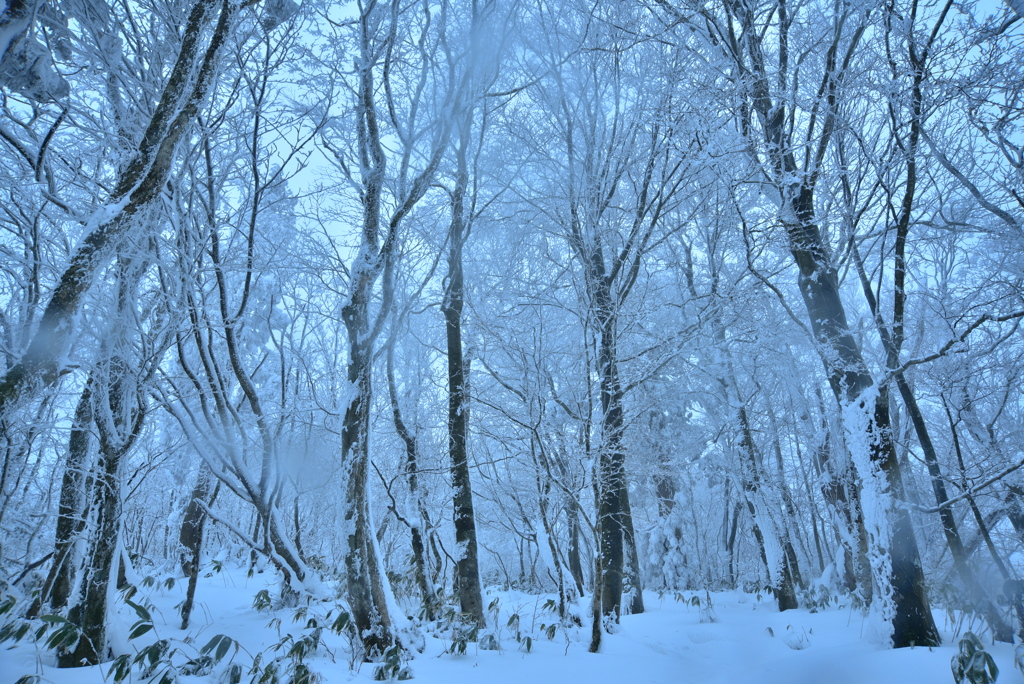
190 537
417 527
467 571
71 512
611 462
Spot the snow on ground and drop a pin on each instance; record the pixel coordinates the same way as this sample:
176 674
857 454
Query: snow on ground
749 643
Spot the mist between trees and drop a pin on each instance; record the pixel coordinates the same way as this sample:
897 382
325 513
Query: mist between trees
400 299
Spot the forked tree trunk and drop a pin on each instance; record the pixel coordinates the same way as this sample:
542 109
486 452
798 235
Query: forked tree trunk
115 394
366 590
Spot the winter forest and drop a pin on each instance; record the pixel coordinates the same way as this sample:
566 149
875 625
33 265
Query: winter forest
511 340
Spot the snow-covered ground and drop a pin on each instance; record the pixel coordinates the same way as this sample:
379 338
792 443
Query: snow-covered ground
750 641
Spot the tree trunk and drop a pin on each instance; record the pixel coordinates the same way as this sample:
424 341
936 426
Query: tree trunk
190 537
90 612
573 552
70 515
819 286
780 573
420 520
366 592
467 571
613 525
633 576
116 396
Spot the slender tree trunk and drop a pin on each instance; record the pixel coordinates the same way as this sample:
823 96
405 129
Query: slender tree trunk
467 571
573 552
419 551
780 573
190 537
366 590
730 542
70 515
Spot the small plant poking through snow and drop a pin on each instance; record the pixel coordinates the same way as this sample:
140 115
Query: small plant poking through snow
490 641
797 641
707 609
972 663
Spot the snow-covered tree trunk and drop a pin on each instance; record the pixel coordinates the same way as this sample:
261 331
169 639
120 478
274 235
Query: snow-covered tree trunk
190 536
767 120
119 411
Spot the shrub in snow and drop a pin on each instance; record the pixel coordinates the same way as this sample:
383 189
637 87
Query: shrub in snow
392 667
972 663
162 661
464 630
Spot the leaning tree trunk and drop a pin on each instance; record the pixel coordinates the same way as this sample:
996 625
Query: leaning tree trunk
780 570
420 519
854 387
892 539
779 564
